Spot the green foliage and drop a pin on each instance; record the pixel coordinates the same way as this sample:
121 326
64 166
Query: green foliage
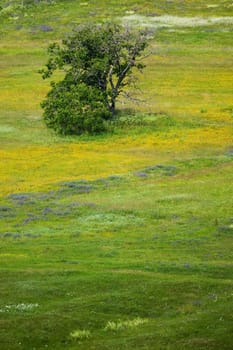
97 61
71 109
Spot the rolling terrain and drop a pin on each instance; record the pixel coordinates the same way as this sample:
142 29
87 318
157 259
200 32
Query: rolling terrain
121 240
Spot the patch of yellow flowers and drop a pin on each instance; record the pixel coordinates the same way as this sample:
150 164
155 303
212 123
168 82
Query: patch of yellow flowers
35 168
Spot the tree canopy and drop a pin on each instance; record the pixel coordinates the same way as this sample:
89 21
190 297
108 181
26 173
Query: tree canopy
98 62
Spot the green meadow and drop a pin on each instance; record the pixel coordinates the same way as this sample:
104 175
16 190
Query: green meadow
121 240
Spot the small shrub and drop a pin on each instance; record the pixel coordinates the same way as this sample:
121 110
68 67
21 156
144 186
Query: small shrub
80 334
121 325
75 109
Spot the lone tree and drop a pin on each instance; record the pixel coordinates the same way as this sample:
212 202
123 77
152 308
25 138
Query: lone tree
97 61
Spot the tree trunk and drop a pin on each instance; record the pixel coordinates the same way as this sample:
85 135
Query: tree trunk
113 106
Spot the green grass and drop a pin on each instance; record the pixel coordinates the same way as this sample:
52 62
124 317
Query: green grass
160 253
123 240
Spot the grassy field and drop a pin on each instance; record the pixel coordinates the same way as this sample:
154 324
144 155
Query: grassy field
123 240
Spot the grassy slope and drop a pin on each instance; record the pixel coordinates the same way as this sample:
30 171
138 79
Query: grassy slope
151 243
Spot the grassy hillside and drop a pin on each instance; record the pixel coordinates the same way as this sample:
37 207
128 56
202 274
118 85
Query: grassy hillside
123 240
